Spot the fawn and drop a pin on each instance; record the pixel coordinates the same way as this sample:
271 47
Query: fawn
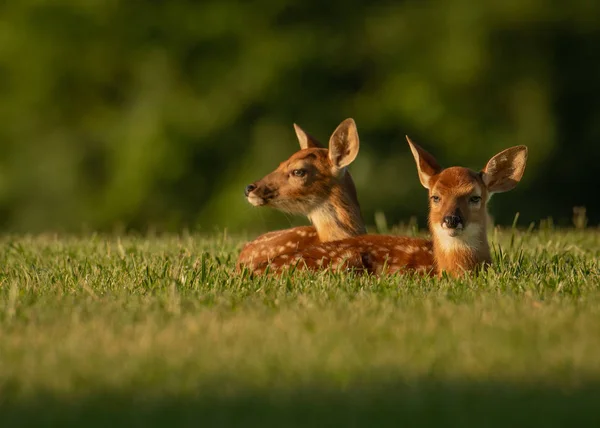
314 182
458 220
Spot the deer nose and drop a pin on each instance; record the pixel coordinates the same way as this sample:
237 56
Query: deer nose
249 188
452 221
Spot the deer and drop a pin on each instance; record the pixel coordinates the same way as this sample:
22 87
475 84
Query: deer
457 220
314 182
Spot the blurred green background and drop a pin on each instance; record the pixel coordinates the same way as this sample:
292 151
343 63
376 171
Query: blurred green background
156 114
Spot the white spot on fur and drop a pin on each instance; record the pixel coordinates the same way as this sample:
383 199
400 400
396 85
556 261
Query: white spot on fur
347 254
290 244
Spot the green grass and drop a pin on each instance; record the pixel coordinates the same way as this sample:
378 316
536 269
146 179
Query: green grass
160 331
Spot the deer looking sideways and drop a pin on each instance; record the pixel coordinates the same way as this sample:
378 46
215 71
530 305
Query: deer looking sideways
313 182
458 220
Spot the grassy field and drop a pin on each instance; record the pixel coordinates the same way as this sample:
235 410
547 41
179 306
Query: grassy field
160 331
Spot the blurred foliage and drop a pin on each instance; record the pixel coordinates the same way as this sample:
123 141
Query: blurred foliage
157 113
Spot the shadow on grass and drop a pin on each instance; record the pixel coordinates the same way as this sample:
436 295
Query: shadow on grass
419 403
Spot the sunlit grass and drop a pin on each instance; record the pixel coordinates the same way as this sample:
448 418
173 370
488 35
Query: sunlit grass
161 331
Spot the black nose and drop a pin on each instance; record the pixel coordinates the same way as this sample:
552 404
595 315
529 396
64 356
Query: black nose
452 221
249 188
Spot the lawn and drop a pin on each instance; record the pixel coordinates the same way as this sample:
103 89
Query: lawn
150 331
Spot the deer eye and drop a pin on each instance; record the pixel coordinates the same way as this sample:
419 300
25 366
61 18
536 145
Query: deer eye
435 199
475 199
299 172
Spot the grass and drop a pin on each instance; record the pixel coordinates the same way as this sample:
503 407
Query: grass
160 331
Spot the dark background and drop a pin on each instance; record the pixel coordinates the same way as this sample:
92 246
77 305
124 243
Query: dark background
156 114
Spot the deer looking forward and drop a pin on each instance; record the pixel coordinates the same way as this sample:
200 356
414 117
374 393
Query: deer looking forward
314 182
458 221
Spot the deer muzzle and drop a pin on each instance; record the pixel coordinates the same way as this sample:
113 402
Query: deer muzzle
258 194
453 223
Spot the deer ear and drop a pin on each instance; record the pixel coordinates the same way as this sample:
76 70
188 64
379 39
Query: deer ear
306 140
427 166
344 144
505 170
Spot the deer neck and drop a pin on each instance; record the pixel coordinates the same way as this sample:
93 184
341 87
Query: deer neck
339 216
464 253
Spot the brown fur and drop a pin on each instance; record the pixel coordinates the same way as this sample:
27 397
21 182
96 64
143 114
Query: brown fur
268 246
375 254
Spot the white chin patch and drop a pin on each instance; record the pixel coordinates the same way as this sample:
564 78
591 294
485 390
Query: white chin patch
461 237
453 232
257 201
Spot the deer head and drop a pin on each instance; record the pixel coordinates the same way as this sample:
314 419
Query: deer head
458 200
315 182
